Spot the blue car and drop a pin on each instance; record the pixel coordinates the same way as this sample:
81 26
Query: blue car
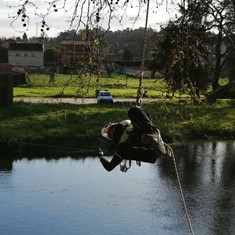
104 97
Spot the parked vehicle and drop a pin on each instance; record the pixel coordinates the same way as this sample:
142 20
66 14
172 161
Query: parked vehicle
104 97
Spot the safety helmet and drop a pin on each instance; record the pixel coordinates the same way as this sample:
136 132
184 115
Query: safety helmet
108 130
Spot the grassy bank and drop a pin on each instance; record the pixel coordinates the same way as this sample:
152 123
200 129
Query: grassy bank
72 86
74 127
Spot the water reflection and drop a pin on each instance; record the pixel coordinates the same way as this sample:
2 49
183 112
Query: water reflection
77 196
207 176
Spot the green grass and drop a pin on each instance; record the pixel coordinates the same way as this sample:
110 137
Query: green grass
78 126
72 86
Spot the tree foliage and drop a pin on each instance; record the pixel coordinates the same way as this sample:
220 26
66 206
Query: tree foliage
51 57
80 13
182 55
202 37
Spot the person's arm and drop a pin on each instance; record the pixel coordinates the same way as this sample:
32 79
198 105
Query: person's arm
109 166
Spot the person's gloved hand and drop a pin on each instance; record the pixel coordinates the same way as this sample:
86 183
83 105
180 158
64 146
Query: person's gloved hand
99 152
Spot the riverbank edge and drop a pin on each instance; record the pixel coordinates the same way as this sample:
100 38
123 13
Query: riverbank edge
31 140
31 150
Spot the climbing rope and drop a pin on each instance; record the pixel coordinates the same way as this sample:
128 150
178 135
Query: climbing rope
140 91
180 188
21 145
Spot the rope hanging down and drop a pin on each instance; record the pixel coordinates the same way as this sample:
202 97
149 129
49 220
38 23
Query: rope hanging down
138 102
181 191
140 90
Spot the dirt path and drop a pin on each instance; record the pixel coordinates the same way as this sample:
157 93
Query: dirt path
72 100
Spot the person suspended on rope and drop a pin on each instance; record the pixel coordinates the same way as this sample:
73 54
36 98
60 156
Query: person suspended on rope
133 139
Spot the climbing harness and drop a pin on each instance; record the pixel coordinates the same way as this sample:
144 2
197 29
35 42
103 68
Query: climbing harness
124 167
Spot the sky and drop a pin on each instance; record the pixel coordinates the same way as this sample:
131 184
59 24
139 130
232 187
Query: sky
60 21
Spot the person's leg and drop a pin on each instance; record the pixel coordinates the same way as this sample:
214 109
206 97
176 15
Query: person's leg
143 126
140 120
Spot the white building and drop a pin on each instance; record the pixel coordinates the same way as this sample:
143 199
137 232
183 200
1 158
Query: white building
26 54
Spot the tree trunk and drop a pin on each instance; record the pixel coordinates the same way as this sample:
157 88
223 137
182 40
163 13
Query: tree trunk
224 92
215 80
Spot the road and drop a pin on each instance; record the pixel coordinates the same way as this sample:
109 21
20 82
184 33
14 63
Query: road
74 100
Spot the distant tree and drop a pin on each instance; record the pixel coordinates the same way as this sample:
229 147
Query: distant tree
69 35
25 37
127 55
129 39
18 39
51 57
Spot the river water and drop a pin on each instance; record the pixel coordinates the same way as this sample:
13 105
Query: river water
67 196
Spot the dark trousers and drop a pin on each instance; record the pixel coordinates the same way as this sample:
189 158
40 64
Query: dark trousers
141 122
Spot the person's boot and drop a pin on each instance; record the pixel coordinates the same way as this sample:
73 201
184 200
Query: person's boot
155 141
